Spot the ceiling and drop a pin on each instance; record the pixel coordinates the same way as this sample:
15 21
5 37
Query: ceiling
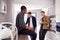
37 4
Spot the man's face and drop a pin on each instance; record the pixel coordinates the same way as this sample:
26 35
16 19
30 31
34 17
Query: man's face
24 11
30 15
42 14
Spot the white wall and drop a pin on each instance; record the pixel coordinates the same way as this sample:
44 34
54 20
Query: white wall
51 11
2 16
36 3
57 10
8 16
39 4
9 11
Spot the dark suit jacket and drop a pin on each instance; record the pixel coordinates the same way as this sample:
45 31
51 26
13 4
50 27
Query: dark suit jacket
33 21
20 24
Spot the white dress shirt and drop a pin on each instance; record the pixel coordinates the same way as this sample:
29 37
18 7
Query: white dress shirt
31 24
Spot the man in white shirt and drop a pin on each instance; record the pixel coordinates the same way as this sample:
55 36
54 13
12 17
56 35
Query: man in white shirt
31 24
31 21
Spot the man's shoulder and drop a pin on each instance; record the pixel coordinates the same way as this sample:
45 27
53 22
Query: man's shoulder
46 17
28 17
19 13
33 17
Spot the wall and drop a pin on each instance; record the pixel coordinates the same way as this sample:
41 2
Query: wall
9 11
8 16
36 3
3 16
57 10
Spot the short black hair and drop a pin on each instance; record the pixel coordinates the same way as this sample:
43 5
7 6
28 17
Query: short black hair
23 7
29 12
43 12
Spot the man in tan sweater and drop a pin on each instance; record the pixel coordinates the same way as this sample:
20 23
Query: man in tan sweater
44 26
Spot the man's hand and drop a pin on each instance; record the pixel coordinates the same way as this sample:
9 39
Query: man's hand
29 28
40 22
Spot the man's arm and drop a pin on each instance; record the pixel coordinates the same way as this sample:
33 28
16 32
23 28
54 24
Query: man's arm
46 21
35 22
